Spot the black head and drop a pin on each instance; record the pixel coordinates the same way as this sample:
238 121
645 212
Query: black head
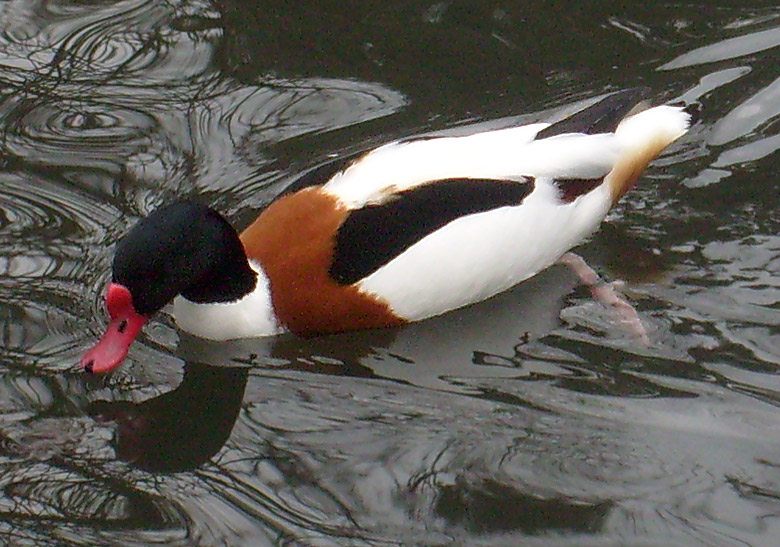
183 248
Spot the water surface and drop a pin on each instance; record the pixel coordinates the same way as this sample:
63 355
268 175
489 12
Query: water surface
532 418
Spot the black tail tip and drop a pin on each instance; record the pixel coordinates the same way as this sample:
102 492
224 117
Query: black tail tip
692 109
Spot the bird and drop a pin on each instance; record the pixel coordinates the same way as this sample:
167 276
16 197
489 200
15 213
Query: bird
406 231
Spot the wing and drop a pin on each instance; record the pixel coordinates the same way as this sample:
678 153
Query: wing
404 165
373 235
404 191
419 227
582 146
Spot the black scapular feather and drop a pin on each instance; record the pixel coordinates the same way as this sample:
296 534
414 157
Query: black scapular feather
601 117
372 236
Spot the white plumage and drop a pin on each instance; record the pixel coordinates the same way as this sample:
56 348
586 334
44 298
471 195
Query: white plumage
479 255
410 230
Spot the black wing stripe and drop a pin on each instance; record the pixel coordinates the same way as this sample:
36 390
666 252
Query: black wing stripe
372 236
571 189
601 117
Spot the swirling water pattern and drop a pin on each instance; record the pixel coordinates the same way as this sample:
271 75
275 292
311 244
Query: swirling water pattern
531 418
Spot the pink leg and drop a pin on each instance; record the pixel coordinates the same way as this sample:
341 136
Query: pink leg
606 294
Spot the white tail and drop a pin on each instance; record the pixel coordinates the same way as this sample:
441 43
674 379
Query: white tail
644 136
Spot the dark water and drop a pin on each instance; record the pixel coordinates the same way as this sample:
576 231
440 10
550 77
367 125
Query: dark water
529 419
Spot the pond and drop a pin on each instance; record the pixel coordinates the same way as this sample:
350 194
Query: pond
531 418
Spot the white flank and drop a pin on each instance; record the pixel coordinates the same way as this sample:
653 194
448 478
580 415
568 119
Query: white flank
480 255
249 317
477 256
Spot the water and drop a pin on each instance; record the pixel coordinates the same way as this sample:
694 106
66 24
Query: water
528 419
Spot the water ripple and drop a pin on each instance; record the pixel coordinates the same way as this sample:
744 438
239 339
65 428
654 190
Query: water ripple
752 113
74 133
46 210
731 48
233 129
49 260
531 416
85 44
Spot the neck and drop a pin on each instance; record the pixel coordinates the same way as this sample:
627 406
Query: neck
227 285
182 248
251 315
229 277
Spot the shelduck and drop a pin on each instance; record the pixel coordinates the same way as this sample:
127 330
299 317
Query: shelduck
409 230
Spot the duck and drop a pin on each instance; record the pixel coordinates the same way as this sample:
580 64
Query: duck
409 230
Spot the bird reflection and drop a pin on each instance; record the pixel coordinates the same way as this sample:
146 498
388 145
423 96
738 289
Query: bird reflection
187 426
183 428
477 341
482 509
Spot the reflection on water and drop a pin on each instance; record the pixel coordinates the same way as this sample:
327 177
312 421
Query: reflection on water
531 417
181 429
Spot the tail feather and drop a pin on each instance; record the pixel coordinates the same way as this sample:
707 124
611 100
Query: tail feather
601 117
644 136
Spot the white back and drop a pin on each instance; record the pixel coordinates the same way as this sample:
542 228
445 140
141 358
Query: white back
480 255
504 154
